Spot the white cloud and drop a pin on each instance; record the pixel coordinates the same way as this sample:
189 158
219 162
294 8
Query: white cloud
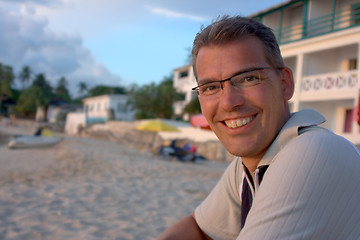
29 41
174 14
37 2
49 35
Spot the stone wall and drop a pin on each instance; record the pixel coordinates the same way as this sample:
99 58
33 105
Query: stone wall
127 134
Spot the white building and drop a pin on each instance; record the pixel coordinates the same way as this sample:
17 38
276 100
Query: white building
184 80
320 42
107 107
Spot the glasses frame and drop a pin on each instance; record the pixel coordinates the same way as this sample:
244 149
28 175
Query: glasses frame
229 79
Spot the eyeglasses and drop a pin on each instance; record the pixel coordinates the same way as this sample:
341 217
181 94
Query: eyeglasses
241 80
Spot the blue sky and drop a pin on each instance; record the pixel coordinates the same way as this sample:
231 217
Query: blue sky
111 42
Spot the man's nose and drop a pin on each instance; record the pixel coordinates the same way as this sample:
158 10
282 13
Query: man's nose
231 97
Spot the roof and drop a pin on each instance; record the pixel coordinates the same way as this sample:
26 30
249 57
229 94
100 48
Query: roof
105 95
275 7
183 67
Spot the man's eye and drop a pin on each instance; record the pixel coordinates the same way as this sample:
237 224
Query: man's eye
209 87
250 78
245 80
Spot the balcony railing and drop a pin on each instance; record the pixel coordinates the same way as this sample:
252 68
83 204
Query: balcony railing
339 20
330 82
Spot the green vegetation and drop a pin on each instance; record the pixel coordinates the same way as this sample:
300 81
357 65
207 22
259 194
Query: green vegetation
102 90
193 107
6 81
149 101
154 100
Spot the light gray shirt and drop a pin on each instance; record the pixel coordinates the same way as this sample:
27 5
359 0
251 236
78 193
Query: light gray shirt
311 189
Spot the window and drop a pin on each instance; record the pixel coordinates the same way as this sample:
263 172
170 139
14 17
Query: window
183 74
348 120
355 14
348 64
352 64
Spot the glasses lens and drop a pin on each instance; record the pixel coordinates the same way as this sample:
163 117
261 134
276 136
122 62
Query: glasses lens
239 81
210 89
247 79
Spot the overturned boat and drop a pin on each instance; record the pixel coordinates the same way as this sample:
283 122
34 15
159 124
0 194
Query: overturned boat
43 137
33 141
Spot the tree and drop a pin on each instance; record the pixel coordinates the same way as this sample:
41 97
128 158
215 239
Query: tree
82 88
61 90
102 90
25 75
193 107
38 94
152 100
44 88
142 101
29 100
6 80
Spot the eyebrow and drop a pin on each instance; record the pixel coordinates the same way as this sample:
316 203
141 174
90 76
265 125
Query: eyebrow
209 80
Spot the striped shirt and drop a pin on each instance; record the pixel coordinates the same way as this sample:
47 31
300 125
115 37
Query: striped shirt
310 190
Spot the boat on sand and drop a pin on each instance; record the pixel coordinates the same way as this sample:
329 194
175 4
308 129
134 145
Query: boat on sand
43 137
33 141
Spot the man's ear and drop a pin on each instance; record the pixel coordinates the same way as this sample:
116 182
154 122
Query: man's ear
287 83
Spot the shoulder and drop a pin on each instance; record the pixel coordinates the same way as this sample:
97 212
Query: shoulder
311 188
322 145
316 161
315 152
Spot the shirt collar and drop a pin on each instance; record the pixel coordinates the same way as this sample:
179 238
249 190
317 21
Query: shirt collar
303 118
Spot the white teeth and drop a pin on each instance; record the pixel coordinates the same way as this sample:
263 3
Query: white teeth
239 122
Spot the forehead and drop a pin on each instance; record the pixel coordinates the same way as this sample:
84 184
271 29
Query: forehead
222 61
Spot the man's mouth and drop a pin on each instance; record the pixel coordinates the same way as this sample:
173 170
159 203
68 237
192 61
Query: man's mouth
236 123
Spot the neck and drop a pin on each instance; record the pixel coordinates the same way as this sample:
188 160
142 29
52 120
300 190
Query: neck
251 163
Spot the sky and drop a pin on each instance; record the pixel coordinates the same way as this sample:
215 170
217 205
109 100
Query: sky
108 42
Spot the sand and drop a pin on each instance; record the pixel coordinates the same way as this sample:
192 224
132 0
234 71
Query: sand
86 188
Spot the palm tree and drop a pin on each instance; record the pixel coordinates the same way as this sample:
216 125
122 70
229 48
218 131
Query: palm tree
82 88
6 80
61 89
25 75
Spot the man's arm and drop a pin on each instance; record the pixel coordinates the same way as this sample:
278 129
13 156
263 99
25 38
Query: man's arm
186 228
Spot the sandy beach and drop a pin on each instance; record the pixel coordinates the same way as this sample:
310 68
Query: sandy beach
85 188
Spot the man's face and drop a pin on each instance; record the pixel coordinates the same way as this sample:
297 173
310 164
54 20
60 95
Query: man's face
245 120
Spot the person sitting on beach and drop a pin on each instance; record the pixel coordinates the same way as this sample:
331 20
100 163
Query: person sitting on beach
291 179
38 131
171 149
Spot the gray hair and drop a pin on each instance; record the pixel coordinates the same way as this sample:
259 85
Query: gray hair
227 29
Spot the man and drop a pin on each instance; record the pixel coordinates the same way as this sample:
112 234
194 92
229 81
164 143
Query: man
292 179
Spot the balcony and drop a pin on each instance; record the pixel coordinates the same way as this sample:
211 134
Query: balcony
330 86
339 20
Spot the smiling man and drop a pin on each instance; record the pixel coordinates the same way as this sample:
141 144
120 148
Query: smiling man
292 179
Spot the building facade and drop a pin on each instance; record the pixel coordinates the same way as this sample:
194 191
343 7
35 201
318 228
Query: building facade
320 42
184 80
103 108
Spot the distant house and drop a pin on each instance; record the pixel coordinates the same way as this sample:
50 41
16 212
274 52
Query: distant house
56 113
107 107
184 80
320 42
